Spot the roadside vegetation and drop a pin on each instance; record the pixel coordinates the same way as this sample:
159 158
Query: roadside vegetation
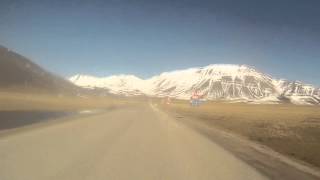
18 109
289 129
12 101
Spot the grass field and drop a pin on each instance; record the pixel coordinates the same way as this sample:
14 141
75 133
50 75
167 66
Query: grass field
11 101
19 109
288 129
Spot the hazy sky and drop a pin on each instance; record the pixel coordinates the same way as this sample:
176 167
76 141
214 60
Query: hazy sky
279 37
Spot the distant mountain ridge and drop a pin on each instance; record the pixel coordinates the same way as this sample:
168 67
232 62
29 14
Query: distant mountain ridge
216 82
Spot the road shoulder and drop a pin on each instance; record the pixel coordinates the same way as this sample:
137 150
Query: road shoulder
262 158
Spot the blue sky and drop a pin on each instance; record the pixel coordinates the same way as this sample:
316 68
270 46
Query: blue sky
146 37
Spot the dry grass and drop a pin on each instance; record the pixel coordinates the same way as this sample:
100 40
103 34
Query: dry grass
19 109
10 101
288 129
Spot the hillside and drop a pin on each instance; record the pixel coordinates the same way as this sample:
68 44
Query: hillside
21 74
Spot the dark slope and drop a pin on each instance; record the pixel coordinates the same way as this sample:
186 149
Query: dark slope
20 73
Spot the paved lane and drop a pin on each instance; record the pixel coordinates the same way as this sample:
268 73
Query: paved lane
133 143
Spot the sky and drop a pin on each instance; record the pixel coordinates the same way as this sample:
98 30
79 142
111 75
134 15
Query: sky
147 37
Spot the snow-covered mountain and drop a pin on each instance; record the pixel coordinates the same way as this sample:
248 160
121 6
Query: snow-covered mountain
120 84
299 93
214 82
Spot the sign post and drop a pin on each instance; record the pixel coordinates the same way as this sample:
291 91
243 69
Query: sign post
195 99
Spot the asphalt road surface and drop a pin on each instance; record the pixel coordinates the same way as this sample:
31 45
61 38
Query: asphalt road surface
136 143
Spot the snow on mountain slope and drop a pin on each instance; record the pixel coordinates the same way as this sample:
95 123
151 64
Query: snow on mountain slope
119 84
300 93
214 82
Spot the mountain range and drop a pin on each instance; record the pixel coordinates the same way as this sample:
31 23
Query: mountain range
234 83
227 82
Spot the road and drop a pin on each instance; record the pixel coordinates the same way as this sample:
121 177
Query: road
134 143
